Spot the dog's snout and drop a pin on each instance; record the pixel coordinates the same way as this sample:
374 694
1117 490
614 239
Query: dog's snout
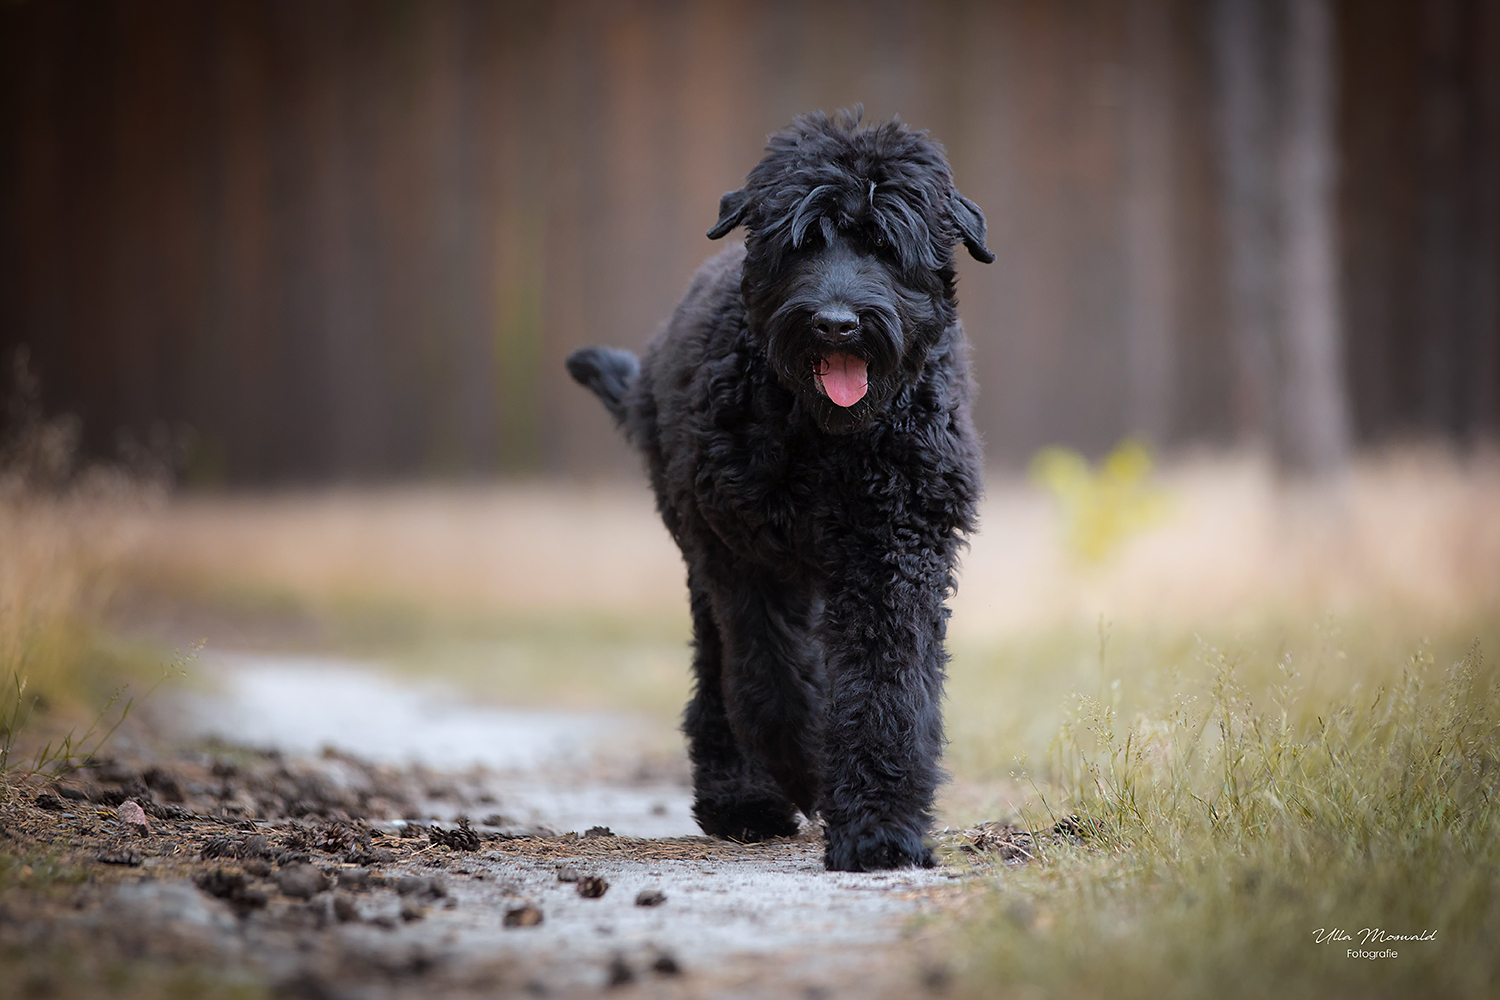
835 322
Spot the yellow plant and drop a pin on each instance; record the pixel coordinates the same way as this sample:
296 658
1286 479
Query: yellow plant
1101 507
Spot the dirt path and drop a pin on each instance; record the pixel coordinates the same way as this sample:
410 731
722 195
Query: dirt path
546 854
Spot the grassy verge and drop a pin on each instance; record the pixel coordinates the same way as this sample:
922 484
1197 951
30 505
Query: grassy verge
1253 820
62 541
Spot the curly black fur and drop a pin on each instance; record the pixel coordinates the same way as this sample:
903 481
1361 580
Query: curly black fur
820 539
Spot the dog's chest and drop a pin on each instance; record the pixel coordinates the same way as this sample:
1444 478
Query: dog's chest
779 492
786 500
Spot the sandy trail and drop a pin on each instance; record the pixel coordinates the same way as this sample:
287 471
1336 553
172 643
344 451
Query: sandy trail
737 921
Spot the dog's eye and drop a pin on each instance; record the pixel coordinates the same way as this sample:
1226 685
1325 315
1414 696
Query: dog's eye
880 242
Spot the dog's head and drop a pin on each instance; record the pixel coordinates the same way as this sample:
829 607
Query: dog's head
849 260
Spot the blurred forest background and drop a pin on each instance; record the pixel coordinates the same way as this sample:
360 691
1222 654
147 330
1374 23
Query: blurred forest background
353 240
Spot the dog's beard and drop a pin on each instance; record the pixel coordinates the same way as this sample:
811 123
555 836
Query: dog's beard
842 387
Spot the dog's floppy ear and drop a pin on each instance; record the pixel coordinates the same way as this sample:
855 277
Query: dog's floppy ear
970 222
731 211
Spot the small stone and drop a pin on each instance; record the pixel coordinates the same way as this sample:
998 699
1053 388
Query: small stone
133 817
301 881
51 803
937 978
420 885
233 887
650 897
377 856
344 909
567 874
620 973
666 965
598 831
160 781
128 858
354 878
411 912
311 915
523 916
592 887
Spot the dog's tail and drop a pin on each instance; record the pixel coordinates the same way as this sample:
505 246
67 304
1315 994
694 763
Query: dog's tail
608 372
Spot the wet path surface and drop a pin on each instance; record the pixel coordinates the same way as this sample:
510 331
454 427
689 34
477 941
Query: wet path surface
680 914
557 771
302 704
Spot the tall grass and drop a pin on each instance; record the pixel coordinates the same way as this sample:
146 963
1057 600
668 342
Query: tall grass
63 534
1240 844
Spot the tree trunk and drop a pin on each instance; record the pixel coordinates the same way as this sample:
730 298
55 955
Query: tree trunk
1313 425
1276 80
1149 252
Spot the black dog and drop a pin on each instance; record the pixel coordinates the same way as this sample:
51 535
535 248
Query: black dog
805 419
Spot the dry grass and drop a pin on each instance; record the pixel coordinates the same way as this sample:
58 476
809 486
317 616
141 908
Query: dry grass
1417 532
58 567
1237 822
64 533
1279 721
519 552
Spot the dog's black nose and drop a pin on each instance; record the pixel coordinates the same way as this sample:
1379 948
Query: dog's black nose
835 322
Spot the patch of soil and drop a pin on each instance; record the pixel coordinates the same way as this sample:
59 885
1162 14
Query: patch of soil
201 877
316 876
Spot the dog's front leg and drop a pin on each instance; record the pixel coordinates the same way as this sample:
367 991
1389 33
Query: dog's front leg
883 634
734 795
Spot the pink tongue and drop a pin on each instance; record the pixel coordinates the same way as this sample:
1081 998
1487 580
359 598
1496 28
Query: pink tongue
845 379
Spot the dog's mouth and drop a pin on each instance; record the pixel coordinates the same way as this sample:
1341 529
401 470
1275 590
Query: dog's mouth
841 377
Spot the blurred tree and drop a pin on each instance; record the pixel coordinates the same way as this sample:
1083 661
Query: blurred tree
1151 258
1277 87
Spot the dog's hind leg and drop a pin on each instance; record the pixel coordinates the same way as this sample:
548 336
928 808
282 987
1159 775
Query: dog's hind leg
733 794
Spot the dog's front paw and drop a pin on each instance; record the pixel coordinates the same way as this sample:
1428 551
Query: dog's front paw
869 849
746 821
